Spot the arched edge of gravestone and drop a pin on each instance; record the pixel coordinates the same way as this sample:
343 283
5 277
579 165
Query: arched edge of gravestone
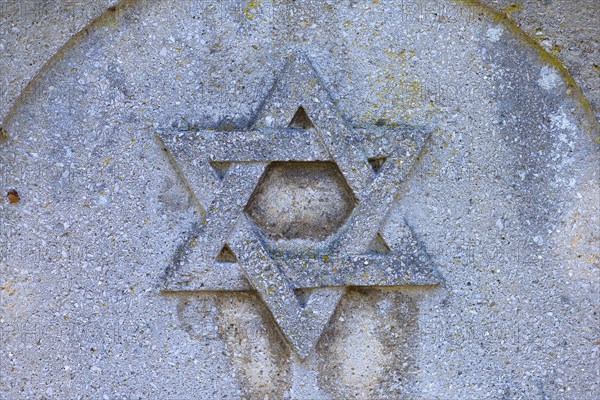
573 89
104 16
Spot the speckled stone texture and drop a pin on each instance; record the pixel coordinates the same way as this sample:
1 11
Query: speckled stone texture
567 30
504 197
322 242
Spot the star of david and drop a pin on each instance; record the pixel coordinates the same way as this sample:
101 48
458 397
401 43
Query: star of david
298 121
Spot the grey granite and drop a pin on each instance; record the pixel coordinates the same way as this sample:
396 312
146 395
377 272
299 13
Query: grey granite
501 199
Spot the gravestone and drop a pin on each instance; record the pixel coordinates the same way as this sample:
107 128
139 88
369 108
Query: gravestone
302 200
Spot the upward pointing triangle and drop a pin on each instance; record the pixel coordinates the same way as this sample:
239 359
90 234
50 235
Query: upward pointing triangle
296 94
226 255
378 245
301 120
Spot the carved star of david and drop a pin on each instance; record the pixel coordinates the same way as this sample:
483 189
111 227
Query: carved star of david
298 121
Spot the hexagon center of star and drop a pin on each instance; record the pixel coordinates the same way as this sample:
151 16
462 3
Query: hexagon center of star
301 200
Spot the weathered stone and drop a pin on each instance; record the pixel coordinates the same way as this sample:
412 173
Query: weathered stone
301 200
144 258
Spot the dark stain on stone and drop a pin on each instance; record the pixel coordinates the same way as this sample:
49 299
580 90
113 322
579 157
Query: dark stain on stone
532 141
13 196
368 349
257 350
197 315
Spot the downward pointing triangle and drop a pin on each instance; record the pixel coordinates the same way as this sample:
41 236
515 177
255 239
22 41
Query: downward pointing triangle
220 168
315 310
378 245
303 295
300 316
301 120
377 163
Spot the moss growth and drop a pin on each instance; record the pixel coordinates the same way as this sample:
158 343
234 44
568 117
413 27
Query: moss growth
109 20
511 8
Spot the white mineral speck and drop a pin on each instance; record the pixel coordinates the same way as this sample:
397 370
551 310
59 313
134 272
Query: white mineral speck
549 78
494 33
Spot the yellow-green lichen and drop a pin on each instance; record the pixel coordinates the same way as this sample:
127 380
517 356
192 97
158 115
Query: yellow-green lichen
394 79
250 9
511 8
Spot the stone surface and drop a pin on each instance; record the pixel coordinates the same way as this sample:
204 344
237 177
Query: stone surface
567 30
42 28
503 199
31 33
267 177
301 200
